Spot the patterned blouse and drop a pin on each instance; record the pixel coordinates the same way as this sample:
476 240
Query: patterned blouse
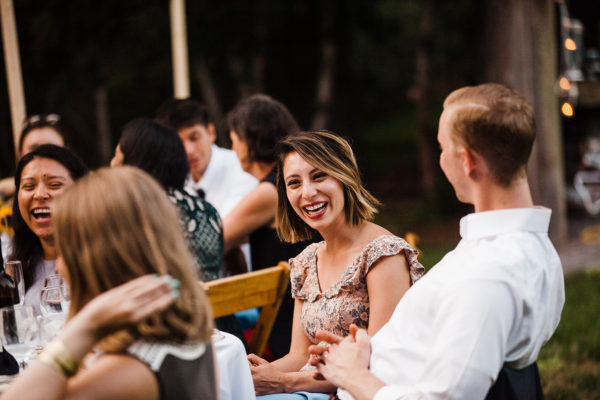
203 232
346 301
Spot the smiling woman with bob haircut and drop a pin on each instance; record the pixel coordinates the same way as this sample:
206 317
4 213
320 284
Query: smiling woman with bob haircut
356 275
135 299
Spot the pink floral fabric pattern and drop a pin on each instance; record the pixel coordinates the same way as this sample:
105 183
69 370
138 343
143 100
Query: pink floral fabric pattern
347 301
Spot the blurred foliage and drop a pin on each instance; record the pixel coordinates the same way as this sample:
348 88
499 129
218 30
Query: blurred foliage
70 50
570 362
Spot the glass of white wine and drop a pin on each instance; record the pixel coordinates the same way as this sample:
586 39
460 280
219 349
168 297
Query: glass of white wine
19 331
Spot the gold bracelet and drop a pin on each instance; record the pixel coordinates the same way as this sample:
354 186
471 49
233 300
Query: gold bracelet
56 355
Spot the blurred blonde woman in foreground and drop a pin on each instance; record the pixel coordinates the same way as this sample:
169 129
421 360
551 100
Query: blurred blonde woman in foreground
136 308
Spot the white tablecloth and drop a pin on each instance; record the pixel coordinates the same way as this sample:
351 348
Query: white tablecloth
235 379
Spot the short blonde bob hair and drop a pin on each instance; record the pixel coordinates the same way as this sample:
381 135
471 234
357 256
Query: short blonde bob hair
333 155
116 225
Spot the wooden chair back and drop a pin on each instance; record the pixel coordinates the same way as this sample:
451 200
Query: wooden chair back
413 239
263 288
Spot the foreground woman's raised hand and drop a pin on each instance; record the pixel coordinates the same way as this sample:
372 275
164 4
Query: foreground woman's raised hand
129 303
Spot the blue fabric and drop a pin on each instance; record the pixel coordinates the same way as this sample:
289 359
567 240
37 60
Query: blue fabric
247 318
294 396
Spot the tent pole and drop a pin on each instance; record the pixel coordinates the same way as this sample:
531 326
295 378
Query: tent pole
181 77
13 70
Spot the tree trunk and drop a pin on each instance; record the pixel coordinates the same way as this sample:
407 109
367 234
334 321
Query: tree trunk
521 52
103 126
326 75
261 29
421 95
209 95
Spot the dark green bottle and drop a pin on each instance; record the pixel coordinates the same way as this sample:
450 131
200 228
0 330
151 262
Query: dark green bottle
9 295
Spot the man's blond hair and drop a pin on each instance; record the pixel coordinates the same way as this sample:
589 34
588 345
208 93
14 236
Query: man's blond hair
497 123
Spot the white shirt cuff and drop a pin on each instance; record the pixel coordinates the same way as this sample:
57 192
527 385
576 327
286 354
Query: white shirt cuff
391 393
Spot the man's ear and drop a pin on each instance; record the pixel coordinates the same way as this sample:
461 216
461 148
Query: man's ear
474 165
212 131
471 162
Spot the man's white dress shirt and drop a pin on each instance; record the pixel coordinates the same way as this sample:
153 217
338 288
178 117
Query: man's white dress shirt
224 182
495 299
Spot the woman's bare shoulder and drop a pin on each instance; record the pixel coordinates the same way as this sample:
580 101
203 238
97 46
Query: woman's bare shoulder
114 376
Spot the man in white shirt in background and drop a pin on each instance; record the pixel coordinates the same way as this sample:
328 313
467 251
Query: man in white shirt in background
215 172
491 302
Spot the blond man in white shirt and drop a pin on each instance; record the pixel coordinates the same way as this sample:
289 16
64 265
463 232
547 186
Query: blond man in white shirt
491 302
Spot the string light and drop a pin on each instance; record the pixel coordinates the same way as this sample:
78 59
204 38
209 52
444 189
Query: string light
564 84
570 44
567 109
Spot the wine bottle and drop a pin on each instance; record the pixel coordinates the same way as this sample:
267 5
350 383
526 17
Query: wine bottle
9 293
8 364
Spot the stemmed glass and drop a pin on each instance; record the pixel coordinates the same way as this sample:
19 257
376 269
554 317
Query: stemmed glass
54 306
19 331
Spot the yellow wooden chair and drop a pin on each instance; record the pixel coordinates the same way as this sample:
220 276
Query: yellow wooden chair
413 239
263 288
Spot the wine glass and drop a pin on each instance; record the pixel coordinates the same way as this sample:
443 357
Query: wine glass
50 301
65 297
53 280
19 331
15 270
53 314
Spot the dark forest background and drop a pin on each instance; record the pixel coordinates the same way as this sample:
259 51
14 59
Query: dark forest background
374 71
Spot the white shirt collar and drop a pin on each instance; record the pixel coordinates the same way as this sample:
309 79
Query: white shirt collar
490 223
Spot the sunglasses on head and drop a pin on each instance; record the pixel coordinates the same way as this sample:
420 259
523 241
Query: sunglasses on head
42 119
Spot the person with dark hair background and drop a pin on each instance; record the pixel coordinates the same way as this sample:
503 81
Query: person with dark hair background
256 124
41 175
215 172
37 130
157 150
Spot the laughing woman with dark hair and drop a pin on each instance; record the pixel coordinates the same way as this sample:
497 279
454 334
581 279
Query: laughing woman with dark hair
41 175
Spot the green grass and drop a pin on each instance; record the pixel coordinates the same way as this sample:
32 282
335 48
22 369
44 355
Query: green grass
570 362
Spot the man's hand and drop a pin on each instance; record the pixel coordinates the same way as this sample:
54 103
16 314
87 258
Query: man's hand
344 359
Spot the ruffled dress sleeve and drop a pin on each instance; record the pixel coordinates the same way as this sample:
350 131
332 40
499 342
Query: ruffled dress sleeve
388 246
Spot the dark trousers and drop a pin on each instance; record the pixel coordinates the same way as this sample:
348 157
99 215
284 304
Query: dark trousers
512 384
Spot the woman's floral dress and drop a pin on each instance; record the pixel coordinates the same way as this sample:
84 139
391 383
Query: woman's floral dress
347 301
